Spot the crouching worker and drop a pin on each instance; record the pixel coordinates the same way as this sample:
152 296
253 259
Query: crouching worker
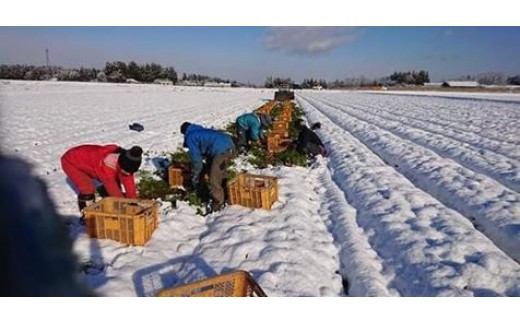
217 148
249 128
308 141
110 164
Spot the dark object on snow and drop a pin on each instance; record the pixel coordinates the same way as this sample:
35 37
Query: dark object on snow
136 127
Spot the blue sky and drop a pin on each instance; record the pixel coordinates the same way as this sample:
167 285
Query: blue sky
254 53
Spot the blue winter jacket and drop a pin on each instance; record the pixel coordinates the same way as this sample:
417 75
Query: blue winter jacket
251 123
203 142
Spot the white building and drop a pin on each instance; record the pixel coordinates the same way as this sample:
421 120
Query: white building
433 84
460 84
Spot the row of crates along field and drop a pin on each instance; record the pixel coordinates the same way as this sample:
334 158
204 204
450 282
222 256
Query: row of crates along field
133 221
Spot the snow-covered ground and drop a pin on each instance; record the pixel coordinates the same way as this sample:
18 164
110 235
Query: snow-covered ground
420 195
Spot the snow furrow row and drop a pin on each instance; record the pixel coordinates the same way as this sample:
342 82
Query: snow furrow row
481 144
486 125
502 169
424 245
493 209
360 265
491 119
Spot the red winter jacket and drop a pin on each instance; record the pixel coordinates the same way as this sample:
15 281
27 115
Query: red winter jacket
90 160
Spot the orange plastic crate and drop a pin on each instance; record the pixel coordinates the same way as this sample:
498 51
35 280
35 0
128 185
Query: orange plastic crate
282 134
273 143
285 118
129 221
179 174
255 191
235 284
276 143
280 125
266 108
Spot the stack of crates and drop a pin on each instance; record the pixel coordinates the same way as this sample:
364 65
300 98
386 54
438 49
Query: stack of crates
129 221
255 191
235 284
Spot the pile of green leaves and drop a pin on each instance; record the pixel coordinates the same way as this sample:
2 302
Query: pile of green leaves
297 113
259 156
230 128
276 110
150 187
180 156
291 157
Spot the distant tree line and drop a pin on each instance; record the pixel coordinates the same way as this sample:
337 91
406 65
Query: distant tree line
415 78
491 78
397 78
147 73
312 83
514 80
116 71
278 82
113 72
201 79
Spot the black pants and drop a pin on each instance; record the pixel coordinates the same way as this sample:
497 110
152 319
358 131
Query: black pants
242 136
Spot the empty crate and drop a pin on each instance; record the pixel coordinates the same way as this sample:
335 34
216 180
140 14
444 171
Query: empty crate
255 191
129 221
235 284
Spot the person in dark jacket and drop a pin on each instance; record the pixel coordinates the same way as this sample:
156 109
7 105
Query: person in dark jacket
37 258
308 141
249 128
109 164
217 148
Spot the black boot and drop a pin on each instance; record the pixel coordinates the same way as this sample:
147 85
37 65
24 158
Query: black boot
212 207
84 200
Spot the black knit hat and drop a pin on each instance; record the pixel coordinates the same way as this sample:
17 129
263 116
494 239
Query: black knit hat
130 160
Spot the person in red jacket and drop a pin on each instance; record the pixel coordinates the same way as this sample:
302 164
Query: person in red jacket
110 164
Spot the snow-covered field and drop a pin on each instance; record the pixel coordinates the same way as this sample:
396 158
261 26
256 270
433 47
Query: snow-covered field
420 195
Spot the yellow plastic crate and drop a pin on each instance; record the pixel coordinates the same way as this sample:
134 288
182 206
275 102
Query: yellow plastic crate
267 107
276 144
280 125
282 134
129 221
235 284
285 118
255 191
179 174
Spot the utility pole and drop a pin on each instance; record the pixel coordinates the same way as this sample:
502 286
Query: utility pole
47 58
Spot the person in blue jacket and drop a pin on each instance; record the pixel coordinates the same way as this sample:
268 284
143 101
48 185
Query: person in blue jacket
249 128
217 148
